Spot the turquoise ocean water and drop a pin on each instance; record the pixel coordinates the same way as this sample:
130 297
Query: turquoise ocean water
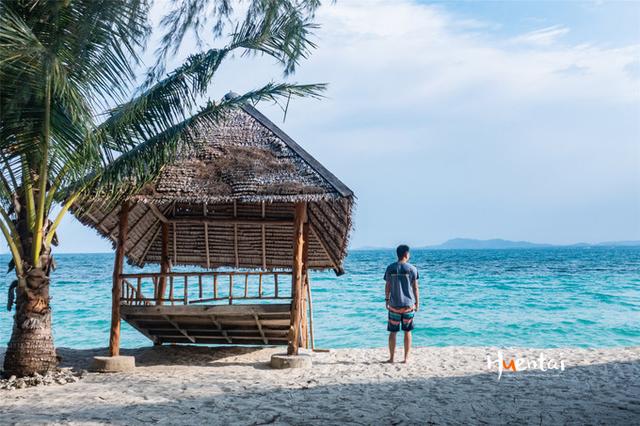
584 297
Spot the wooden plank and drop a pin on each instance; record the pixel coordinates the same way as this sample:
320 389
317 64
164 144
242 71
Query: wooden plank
179 329
195 274
219 327
220 341
232 221
156 211
114 333
264 338
142 330
212 299
195 310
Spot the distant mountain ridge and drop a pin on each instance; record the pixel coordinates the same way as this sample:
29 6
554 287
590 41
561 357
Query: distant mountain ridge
501 244
496 243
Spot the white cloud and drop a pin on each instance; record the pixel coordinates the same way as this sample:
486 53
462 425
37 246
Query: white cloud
542 37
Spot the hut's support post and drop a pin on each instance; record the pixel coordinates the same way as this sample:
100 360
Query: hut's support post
297 277
114 335
310 301
164 262
304 341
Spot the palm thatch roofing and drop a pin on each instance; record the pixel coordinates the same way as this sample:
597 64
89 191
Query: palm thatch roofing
229 201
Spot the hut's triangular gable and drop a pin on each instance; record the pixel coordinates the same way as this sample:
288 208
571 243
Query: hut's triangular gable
243 170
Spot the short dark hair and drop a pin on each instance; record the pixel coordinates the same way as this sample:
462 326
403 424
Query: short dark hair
402 250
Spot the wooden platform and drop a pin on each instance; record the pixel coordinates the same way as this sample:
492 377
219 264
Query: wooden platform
255 324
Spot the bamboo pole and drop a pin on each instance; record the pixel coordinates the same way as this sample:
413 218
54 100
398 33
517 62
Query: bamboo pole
264 241
175 245
206 245
313 343
304 341
164 261
114 335
296 288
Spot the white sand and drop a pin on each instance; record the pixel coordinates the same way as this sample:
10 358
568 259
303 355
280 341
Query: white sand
195 385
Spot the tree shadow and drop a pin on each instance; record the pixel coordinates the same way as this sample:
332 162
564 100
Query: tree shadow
185 355
606 393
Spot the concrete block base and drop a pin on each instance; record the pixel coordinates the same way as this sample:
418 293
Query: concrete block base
290 361
113 364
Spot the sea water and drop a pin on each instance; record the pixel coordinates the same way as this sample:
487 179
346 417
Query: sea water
544 298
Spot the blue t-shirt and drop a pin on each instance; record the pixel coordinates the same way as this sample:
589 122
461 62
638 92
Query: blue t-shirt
401 277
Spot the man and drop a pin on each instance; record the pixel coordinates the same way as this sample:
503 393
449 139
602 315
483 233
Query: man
402 299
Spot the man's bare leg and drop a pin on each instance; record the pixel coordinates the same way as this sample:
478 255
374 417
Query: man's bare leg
407 345
392 346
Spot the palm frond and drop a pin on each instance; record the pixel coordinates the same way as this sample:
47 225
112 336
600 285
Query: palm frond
174 98
187 16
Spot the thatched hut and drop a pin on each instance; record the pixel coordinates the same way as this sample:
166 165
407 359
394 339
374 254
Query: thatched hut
248 205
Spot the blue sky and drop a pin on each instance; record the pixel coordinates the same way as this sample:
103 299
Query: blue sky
517 120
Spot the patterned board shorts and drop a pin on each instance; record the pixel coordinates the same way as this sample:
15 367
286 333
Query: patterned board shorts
396 319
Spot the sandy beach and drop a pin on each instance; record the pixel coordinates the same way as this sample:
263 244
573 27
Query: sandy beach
448 385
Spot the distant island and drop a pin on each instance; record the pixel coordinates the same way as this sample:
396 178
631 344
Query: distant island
500 244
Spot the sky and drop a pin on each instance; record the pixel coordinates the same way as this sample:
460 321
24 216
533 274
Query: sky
515 120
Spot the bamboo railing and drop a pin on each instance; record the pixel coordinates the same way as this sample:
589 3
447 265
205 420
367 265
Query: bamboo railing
188 288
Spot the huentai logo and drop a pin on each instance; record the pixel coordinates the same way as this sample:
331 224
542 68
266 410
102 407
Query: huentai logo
541 363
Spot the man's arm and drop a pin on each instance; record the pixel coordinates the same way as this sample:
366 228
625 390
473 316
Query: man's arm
416 293
387 293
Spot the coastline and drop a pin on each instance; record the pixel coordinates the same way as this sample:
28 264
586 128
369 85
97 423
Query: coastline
230 385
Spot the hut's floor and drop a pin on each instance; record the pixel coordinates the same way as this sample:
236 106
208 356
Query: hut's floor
212 324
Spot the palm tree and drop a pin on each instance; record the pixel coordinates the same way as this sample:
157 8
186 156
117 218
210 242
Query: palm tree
63 66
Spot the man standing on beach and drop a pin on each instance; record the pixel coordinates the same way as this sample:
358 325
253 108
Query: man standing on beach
402 299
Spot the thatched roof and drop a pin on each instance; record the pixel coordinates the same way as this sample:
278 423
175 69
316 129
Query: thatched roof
241 180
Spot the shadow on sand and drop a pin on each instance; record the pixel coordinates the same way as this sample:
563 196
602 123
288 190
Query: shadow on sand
607 393
199 356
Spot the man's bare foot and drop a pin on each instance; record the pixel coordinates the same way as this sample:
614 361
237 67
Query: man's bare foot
406 361
389 361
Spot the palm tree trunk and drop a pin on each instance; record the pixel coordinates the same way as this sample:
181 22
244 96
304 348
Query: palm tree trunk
31 349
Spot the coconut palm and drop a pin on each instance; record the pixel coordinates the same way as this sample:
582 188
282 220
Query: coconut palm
69 124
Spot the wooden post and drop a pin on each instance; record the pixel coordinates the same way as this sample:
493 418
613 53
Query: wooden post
296 277
311 338
164 261
304 342
114 335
